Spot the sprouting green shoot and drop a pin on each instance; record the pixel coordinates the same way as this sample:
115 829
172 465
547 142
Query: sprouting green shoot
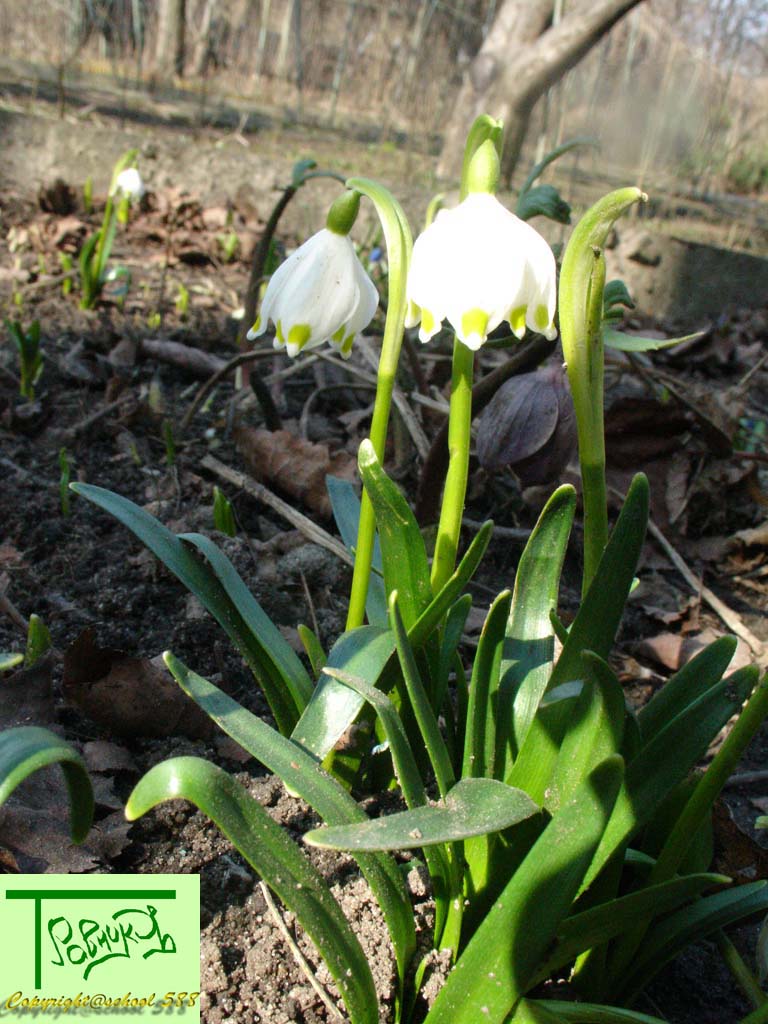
64 481
38 641
182 300
30 358
223 514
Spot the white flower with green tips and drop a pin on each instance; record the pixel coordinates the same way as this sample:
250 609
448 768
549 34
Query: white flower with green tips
321 293
478 265
128 185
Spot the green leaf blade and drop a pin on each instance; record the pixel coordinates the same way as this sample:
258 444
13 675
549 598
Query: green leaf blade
27 748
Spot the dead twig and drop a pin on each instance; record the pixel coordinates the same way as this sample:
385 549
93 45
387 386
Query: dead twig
7 607
219 374
301 522
100 414
299 957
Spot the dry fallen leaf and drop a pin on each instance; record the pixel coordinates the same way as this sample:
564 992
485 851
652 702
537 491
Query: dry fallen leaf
129 696
293 465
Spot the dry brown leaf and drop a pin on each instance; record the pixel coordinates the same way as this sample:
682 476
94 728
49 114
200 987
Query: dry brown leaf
26 696
129 696
295 466
736 853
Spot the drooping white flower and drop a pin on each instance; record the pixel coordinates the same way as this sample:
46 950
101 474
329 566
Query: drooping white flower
320 293
477 265
128 185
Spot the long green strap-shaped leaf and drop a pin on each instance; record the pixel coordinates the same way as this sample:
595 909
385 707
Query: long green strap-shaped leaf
482 711
403 554
25 749
594 628
277 860
271 659
595 730
598 925
474 807
422 709
304 776
287 665
594 1013
667 759
363 652
502 958
686 686
696 811
670 936
529 648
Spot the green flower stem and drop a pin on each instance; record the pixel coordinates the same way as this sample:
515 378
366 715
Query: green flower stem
397 235
580 303
459 425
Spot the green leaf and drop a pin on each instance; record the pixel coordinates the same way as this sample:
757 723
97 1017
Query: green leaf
594 628
276 858
686 686
632 343
25 749
403 761
221 591
404 556
544 201
433 614
529 648
9 659
422 708
363 652
313 647
502 958
593 1013
697 809
480 740
595 730
473 807
598 925
616 294
670 936
664 762
346 511
304 776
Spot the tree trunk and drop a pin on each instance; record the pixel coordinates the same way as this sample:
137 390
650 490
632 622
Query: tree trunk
522 56
171 41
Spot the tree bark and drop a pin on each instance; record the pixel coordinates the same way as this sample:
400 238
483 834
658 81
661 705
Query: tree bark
170 52
522 56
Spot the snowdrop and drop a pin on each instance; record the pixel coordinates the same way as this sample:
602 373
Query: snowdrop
320 293
478 265
128 185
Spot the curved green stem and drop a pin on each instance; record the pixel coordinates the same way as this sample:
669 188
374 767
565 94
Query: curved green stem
582 279
399 242
459 425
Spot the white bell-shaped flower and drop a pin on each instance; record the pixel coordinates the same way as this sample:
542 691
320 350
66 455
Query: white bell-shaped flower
477 265
320 293
128 185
